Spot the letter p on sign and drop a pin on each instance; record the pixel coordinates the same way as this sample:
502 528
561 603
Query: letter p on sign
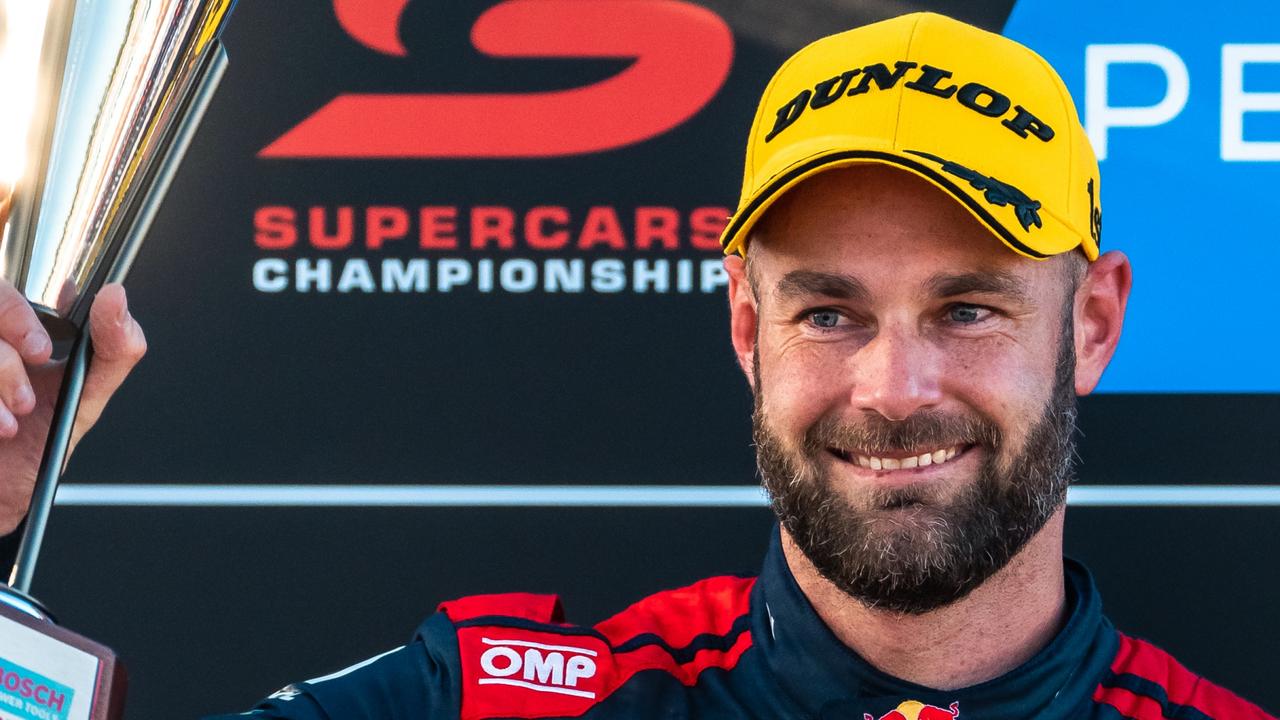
1100 116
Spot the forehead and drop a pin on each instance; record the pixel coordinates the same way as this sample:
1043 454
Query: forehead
871 220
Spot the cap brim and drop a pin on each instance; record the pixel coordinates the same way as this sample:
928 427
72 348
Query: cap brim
1052 237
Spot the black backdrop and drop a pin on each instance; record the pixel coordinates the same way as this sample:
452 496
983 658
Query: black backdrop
213 607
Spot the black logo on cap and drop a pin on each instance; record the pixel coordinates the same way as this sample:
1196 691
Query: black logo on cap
1095 216
975 96
994 191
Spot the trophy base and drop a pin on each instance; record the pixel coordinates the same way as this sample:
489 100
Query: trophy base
50 673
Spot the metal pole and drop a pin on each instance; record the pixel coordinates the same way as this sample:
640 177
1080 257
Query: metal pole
52 463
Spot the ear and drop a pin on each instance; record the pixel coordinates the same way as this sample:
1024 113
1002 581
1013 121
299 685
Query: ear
1100 303
743 316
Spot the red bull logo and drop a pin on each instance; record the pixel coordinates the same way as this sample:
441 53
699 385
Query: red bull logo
912 710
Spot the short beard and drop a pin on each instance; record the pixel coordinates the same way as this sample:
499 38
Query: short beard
931 552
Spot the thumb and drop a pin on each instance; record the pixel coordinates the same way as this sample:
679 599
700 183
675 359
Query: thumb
118 345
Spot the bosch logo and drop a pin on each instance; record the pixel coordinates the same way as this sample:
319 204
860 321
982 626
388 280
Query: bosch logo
535 666
27 694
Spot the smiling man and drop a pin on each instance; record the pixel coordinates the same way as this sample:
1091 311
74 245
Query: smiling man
917 296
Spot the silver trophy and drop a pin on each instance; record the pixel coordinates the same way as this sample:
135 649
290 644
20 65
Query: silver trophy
98 101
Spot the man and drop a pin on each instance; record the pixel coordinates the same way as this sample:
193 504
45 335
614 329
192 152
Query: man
916 297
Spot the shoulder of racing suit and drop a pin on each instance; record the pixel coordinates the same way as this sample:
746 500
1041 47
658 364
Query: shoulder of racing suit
513 656
1147 683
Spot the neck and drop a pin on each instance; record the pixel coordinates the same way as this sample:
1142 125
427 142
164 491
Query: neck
994 629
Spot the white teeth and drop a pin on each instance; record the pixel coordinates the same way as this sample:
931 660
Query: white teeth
937 457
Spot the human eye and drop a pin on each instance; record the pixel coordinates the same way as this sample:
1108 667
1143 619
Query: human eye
968 314
823 318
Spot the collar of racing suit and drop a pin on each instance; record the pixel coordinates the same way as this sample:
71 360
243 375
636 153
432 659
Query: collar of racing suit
828 680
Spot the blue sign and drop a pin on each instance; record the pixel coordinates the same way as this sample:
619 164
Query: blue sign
1182 103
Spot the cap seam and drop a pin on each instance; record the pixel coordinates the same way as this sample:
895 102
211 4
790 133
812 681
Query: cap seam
897 116
1067 102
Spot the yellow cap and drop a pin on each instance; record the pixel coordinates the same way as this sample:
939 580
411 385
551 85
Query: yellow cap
974 113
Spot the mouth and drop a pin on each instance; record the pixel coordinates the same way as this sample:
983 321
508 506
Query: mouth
909 460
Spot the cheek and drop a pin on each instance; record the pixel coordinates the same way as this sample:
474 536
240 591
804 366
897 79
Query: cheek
1006 381
801 383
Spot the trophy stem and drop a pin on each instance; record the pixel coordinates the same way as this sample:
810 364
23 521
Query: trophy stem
52 464
24 603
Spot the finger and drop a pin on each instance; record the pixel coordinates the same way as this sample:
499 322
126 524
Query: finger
118 345
8 424
15 387
20 327
13 375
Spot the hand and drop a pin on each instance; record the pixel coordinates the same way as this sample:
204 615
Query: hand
29 385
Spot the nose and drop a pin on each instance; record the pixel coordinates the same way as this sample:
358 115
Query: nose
896 374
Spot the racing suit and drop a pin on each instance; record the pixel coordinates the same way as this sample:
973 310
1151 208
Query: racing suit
733 647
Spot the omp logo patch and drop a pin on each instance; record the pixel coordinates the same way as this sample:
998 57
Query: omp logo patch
536 666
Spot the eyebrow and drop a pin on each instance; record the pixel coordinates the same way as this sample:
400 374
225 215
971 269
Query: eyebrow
995 282
805 283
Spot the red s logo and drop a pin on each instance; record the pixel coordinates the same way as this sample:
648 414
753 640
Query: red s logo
682 55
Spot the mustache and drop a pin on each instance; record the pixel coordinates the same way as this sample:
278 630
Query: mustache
921 431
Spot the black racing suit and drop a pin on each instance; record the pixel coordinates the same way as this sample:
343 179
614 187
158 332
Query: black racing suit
733 647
